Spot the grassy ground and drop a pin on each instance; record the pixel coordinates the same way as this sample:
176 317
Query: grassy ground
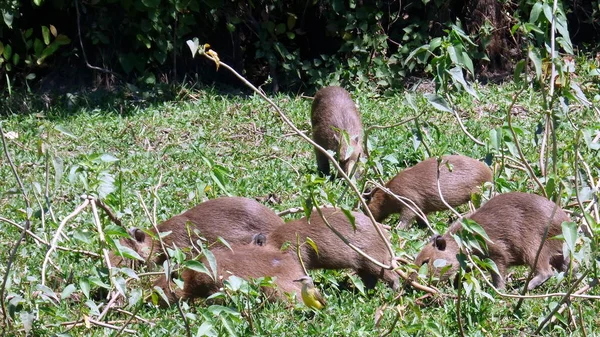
215 145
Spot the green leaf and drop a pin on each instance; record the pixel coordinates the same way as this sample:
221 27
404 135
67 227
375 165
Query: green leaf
1 48
473 227
457 76
535 12
537 62
438 102
8 18
7 53
569 231
197 266
46 35
313 245
127 252
151 3
62 40
519 67
63 130
85 286
212 262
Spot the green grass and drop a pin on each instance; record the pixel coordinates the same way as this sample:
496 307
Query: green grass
178 148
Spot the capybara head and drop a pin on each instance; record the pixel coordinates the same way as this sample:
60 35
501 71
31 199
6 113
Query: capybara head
333 253
515 223
234 219
245 261
459 177
336 126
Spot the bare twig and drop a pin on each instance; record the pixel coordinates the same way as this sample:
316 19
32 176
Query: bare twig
348 243
518 146
87 63
44 242
59 230
109 213
13 252
462 126
213 57
562 300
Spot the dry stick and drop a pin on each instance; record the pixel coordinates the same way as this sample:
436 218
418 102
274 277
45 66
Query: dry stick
462 126
592 183
83 49
439 162
573 295
57 235
100 232
543 148
587 229
518 146
581 320
537 255
310 141
406 202
347 242
131 317
582 290
13 253
458 300
164 250
109 213
562 300
95 322
44 242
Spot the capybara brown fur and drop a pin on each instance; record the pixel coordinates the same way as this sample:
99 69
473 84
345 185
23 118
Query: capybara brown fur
235 219
333 253
419 184
245 261
515 223
334 111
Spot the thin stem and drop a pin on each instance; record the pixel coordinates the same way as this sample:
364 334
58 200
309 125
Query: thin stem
13 253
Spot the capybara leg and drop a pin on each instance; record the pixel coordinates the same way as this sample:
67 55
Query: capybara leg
541 275
322 164
368 278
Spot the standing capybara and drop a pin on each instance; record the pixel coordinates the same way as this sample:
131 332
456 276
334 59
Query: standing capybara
245 261
333 111
235 219
515 223
333 253
459 177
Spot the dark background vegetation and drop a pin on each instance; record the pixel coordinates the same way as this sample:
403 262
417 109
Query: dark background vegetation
299 45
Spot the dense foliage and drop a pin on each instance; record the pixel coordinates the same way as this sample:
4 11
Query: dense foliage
294 43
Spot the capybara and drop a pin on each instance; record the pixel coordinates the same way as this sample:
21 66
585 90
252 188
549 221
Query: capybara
419 184
245 261
334 111
333 253
235 219
515 223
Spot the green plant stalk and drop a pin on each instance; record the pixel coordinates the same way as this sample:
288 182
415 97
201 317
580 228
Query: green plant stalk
518 146
458 302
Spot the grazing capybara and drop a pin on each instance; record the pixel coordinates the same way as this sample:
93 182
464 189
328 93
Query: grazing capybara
334 111
235 219
515 223
333 253
245 261
419 184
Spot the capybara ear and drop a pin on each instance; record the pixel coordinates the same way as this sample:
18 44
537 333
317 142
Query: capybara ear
259 239
439 242
137 234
